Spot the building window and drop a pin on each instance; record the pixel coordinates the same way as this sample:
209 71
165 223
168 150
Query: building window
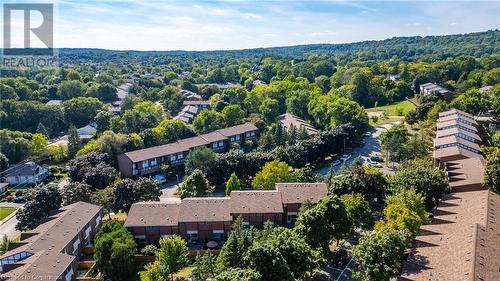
152 228
250 134
218 235
246 224
192 236
145 164
180 156
291 218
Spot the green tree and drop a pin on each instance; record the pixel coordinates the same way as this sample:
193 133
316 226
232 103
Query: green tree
428 181
236 245
405 211
324 223
74 192
81 110
42 130
393 143
143 115
104 92
270 109
4 244
472 101
207 121
114 251
74 141
172 256
128 191
39 203
358 211
273 172
268 261
200 158
38 144
71 89
170 130
238 274
379 254
232 184
4 162
233 115
195 185
204 268
492 173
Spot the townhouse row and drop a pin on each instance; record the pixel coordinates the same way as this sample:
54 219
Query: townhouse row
146 162
456 137
51 251
200 220
465 226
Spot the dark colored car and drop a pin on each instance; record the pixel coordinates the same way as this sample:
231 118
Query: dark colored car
377 158
19 199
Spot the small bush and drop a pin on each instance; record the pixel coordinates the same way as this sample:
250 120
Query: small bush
149 250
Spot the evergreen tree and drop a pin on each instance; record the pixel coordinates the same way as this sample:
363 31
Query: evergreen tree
232 184
42 130
74 142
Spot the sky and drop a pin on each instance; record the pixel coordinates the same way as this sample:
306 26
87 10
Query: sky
242 24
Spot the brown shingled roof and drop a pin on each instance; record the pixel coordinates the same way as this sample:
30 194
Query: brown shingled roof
455 131
251 202
465 172
238 129
207 209
440 125
455 139
292 193
153 214
453 151
456 111
455 117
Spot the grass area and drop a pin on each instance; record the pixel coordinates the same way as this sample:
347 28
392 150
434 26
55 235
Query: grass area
383 121
185 272
396 109
4 212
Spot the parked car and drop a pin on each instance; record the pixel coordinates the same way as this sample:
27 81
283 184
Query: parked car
160 179
376 158
336 163
345 157
373 163
368 134
19 199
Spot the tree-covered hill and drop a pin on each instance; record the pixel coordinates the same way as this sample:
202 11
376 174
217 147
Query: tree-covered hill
428 48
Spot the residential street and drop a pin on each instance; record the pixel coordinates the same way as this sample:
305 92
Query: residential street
370 147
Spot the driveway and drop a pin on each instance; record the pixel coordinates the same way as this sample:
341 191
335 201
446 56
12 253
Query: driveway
170 187
370 147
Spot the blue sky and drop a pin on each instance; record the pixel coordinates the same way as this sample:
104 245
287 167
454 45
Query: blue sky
239 24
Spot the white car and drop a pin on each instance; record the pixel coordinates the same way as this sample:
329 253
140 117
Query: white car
373 163
368 134
336 163
345 157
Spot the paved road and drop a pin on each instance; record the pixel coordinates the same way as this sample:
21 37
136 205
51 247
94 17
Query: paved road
370 147
8 227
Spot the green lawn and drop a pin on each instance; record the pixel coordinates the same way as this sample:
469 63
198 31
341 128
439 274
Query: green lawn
396 109
4 212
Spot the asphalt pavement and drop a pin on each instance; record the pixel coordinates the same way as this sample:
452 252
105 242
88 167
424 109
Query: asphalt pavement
370 147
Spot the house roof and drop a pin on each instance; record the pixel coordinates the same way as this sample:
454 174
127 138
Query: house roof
88 131
187 144
288 120
250 202
294 193
455 131
49 240
465 172
208 209
154 214
456 111
24 169
456 117
463 241
54 102
453 151
455 139
455 122
196 102
238 129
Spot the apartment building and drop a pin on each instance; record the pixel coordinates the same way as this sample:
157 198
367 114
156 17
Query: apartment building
431 88
199 220
145 162
51 250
